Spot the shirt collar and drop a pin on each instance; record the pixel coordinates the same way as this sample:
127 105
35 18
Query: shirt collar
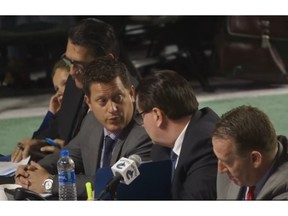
178 143
112 135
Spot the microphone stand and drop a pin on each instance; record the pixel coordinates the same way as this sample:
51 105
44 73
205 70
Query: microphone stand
113 191
110 188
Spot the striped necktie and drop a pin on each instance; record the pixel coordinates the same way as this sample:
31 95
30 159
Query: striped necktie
250 194
108 148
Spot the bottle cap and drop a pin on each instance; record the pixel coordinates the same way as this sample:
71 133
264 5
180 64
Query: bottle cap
64 152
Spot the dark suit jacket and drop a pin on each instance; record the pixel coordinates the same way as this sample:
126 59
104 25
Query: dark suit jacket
275 187
85 150
65 121
195 175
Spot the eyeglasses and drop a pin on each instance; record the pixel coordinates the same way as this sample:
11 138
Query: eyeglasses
139 117
77 65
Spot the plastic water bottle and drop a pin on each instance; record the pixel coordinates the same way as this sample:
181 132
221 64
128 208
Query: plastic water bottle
66 177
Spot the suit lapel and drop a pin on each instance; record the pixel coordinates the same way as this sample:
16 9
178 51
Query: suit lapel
234 192
274 175
120 142
227 189
92 149
97 141
117 151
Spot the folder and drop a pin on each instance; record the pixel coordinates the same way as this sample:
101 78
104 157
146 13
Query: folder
153 183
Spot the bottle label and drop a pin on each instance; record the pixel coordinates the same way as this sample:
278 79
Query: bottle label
66 177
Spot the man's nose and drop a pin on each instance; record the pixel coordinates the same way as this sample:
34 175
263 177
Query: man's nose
221 167
112 106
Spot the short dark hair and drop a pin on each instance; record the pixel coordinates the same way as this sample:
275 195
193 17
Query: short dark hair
104 70
168 91
97 35
249 127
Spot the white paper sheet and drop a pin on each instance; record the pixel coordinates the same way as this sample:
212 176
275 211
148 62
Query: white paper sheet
8 168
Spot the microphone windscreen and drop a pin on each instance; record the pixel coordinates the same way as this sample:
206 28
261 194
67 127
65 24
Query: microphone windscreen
136 158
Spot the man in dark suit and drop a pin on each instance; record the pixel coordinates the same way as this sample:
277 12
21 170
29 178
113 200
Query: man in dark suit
87 41
252 164
110 96
170 115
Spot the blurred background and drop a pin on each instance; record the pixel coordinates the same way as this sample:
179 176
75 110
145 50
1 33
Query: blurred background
229 60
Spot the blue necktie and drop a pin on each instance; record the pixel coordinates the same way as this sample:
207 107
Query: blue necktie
173 157
108 148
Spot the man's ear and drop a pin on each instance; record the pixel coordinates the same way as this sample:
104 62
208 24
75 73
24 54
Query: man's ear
132 93
256 158
87 100
158 116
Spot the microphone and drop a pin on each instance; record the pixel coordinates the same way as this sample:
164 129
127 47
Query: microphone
125 170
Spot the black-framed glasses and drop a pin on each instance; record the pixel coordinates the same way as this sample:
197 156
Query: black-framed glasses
139 117
77 65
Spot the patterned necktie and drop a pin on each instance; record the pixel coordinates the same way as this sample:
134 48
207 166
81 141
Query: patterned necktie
108 148
250 193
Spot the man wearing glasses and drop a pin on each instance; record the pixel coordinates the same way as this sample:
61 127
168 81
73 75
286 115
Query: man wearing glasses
87 41
170 115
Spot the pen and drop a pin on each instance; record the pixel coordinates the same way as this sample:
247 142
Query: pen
49 141
89 191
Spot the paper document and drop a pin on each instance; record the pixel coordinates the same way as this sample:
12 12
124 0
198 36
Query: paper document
8 168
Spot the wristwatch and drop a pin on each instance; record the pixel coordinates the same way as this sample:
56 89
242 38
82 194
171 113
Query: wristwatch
47 184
